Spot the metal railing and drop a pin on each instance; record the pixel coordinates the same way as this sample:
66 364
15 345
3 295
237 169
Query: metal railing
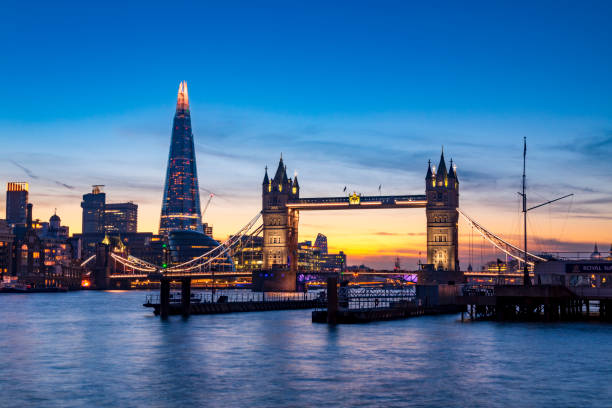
373 297
232 296
478 290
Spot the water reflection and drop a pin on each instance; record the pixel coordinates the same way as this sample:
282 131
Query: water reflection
105 349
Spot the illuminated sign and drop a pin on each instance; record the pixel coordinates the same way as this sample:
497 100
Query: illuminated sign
354 199
588 268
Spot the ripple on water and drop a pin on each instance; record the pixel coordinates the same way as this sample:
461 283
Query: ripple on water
104 349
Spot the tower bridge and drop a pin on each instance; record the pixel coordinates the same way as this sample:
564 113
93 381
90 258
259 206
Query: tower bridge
281 205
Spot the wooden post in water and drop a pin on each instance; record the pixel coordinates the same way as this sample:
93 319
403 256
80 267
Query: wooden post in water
164 298
332 299
186 296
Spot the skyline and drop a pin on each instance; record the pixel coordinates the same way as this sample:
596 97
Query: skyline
369 118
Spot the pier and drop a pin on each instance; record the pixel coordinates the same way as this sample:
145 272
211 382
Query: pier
186 303
367 304
549 303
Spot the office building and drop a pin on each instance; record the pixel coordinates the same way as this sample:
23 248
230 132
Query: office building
181 202
93 210
120 218
16 202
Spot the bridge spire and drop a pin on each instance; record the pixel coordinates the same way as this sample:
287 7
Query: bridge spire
442 166
280 171
266 180
451 171
429 173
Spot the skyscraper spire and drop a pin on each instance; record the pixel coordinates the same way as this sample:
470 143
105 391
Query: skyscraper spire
182 100
181 202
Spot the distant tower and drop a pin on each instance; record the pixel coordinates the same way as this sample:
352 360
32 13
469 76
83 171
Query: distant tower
16 202
280 224
181 202
93 205
442 190
321 243
595 254
55 222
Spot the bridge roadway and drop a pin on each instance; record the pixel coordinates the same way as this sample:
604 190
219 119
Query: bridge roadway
234 274
179 275
355 202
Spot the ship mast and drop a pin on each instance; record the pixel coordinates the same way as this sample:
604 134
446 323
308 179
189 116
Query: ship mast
526 278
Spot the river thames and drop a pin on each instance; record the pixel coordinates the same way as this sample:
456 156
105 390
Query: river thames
103 349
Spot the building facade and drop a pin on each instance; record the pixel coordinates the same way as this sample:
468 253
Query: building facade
121 218
442 190
181 200
6 249
248 255
93 210
321 243
100 217
16 202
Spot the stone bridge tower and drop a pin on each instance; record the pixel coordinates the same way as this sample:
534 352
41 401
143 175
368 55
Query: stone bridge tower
442 190
280 224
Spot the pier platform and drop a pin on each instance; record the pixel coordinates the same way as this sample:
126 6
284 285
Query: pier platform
389 313
535 303
222 305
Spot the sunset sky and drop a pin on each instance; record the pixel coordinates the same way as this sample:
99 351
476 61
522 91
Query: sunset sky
352 95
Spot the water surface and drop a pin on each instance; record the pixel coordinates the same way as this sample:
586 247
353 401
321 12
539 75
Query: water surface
103 349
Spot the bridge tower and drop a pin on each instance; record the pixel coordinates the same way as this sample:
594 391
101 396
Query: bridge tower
280 224
442 190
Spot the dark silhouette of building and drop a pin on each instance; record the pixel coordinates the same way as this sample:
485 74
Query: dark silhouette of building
321 243
442 190
181 202
6 249
16 202
121 218
93 210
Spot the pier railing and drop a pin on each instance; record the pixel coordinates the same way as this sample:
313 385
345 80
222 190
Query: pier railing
366 298
222 296
478 290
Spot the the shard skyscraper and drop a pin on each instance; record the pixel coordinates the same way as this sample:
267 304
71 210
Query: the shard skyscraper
181 203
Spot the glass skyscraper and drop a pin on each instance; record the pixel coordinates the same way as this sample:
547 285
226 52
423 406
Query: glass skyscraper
181 203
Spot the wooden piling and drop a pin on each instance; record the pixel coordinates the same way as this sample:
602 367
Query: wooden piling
164 298
186 296
332 299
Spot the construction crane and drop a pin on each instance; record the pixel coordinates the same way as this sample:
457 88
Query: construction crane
207 204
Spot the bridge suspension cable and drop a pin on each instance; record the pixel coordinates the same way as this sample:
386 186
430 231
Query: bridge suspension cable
222 249
88 260
500 244
201 262
134 265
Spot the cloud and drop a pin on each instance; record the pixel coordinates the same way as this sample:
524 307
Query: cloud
25 169
30 174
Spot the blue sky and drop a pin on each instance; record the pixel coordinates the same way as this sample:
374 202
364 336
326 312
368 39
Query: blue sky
352 93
